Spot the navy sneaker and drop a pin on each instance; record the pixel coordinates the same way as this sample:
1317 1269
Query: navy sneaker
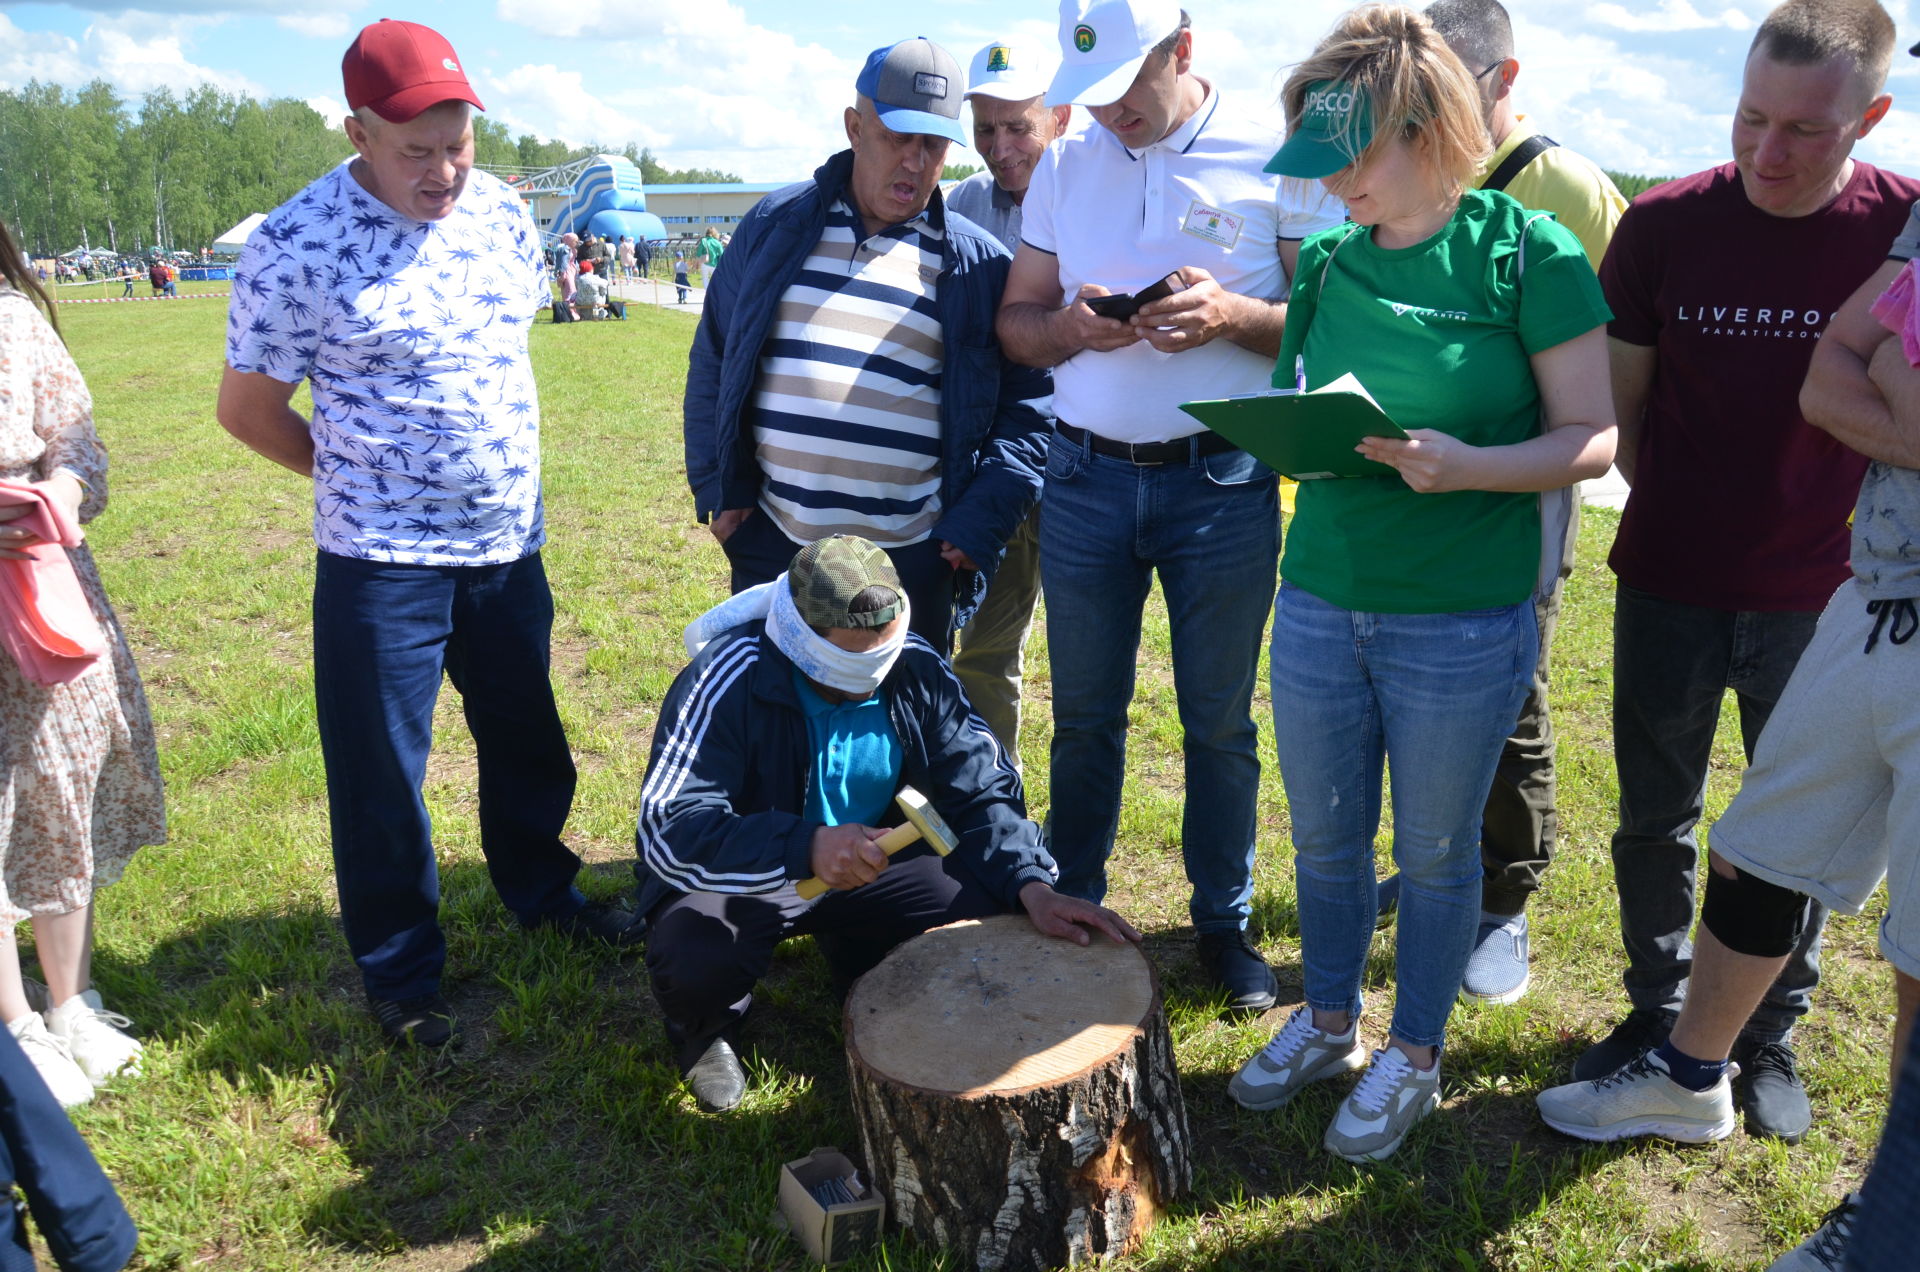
1497 969
1770 1091
1826 1249
597 922
1238 968
425 1021
1644 1029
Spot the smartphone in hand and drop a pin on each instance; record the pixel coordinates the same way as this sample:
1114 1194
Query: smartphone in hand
1125 306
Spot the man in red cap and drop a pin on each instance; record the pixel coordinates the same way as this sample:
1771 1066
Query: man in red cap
401 284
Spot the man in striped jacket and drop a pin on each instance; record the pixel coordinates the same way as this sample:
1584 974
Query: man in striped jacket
845 377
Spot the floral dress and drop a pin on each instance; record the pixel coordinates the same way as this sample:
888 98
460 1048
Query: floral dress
79 772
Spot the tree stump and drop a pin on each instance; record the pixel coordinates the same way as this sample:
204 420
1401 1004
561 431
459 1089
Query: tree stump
1016 1094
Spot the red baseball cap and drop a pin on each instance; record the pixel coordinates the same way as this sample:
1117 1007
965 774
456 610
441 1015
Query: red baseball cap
398 69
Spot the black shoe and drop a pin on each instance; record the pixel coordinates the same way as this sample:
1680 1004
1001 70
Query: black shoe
1826 1249
1238 968
425 1021
1389 892
598 921
1644 1029
1770 1092
717 1079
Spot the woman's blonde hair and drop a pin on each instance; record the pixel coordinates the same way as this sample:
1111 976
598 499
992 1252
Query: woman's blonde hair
1418 88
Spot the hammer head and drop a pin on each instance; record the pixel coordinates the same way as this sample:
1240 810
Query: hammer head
933 828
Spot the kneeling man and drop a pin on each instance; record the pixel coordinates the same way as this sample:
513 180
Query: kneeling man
807 706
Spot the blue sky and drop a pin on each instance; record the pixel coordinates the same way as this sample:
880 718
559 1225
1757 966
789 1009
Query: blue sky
757 86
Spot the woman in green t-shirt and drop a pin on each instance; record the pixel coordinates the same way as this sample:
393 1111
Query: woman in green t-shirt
1404 631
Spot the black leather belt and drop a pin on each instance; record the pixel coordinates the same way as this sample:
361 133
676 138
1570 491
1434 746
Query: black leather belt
1178 451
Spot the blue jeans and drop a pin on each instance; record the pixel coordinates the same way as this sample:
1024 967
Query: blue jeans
1211 527
382 635
1434 696
1672 665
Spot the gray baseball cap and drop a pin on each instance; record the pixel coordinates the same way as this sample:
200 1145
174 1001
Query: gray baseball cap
915 87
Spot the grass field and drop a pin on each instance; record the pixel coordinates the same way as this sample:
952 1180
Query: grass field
271 1129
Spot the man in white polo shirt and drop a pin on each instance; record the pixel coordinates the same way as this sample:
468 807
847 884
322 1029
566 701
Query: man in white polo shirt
1012 128
1170 183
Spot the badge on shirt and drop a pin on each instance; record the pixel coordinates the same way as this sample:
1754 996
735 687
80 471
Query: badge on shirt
1212 224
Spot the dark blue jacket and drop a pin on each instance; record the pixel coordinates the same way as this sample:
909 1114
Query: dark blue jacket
995 415
722 808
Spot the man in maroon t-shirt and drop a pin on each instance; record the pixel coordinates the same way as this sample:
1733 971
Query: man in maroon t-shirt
1735 533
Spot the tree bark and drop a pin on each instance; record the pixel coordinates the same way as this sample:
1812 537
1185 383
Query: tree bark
1017 1095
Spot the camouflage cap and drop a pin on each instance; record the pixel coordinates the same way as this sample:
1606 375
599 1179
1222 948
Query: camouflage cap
827 574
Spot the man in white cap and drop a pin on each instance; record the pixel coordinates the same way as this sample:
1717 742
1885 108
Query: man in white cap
844 378
1170 183
1012 128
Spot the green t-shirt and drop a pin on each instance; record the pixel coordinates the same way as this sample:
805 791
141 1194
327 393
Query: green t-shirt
1440 333
711 249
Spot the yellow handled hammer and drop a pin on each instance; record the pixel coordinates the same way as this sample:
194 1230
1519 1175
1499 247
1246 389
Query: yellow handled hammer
922 823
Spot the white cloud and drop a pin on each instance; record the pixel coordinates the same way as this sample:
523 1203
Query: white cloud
709 90
1670 15
161 8
600 19
331 109
318 26
550 102
42 55
135 53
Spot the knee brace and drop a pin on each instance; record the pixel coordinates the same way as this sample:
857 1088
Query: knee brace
1751 916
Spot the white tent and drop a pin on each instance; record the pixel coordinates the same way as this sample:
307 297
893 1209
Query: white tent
236 238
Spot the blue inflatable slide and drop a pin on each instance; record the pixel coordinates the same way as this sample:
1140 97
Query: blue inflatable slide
608 201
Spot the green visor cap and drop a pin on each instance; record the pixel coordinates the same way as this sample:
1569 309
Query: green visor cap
1335 125
827 575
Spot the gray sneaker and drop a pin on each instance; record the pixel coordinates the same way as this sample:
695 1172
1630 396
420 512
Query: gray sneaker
1298 1055
1640 1099
1497 971
1389 1099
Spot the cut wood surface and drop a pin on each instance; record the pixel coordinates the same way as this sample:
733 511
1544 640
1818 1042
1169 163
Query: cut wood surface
1000 1007
1016 1094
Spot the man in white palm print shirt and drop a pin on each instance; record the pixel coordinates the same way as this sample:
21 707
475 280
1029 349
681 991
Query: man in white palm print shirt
402 285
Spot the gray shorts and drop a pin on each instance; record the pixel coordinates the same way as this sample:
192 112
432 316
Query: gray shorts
1835 782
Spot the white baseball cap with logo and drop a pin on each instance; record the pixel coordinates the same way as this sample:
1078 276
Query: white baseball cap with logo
1009 72
1103 44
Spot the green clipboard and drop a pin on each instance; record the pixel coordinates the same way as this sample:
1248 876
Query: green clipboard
1305 436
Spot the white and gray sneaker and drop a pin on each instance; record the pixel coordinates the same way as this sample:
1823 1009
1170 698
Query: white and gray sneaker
1640 1098
1298 1055
1826 1249
1391 1096
51 1060
92 1034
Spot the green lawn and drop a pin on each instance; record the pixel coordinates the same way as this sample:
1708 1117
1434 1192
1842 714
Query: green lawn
273 1131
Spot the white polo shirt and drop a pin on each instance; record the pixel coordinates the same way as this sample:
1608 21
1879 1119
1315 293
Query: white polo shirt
1124 218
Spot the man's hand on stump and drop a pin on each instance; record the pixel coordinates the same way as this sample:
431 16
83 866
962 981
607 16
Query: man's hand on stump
844 856
1069 917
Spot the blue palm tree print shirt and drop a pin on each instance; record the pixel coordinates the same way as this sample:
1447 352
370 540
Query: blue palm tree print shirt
426 426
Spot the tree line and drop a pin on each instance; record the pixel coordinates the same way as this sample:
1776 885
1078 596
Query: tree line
88 167
176 170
